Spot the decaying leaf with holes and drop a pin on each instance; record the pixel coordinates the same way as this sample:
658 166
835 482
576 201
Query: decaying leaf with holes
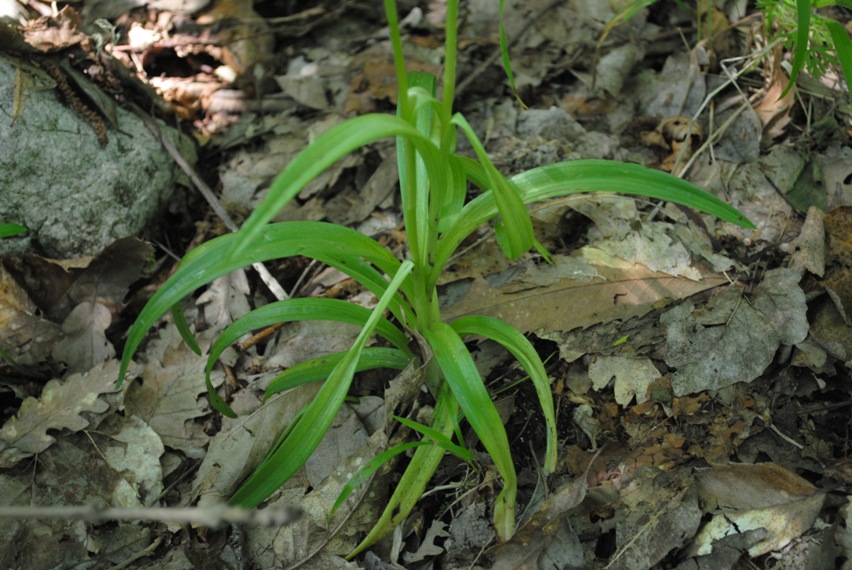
74 404
681 135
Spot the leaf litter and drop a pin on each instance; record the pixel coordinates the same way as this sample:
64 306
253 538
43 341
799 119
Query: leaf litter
699 369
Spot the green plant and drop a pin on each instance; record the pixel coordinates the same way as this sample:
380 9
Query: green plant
817 42
9 230
433 182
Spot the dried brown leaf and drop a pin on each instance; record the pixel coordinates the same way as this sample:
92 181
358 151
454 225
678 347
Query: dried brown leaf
58 286
170 396
68 404
748 497
27 337
575 292
84 343
734 339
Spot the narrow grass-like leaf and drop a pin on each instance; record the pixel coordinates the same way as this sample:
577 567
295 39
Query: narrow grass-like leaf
504 54
417 475
317 369
332 145
303 309
564 178
216 400
803 9
433 438
371 467
521 348
843 48
184 330
514 229
437 438
420 233
340 247
7 230
289 310
398 53
318 416
451 28
605 175
463 379
450 201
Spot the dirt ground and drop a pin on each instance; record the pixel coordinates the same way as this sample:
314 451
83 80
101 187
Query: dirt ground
700 370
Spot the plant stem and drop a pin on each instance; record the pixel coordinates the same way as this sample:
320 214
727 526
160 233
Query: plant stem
398 56
450 49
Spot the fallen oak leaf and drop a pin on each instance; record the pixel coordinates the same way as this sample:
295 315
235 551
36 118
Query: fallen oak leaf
72 404
84 342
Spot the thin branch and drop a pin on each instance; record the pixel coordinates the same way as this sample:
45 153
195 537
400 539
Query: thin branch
212 516
270 281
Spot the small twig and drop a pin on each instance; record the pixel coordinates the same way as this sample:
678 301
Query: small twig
732 79
786 438
147 551
260 336
203 516
270 281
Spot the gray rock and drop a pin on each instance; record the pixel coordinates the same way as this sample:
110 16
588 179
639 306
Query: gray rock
73 194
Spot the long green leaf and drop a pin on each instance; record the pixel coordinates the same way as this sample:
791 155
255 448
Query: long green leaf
289 310
319 368
463 379
184 330
521 348
803 9
417 475
307 309
437 438
514 229
451 48
337 246
564 178
332 145
304 437
449 202
398 53
7 230
843 47
504 54
433 437
416 185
